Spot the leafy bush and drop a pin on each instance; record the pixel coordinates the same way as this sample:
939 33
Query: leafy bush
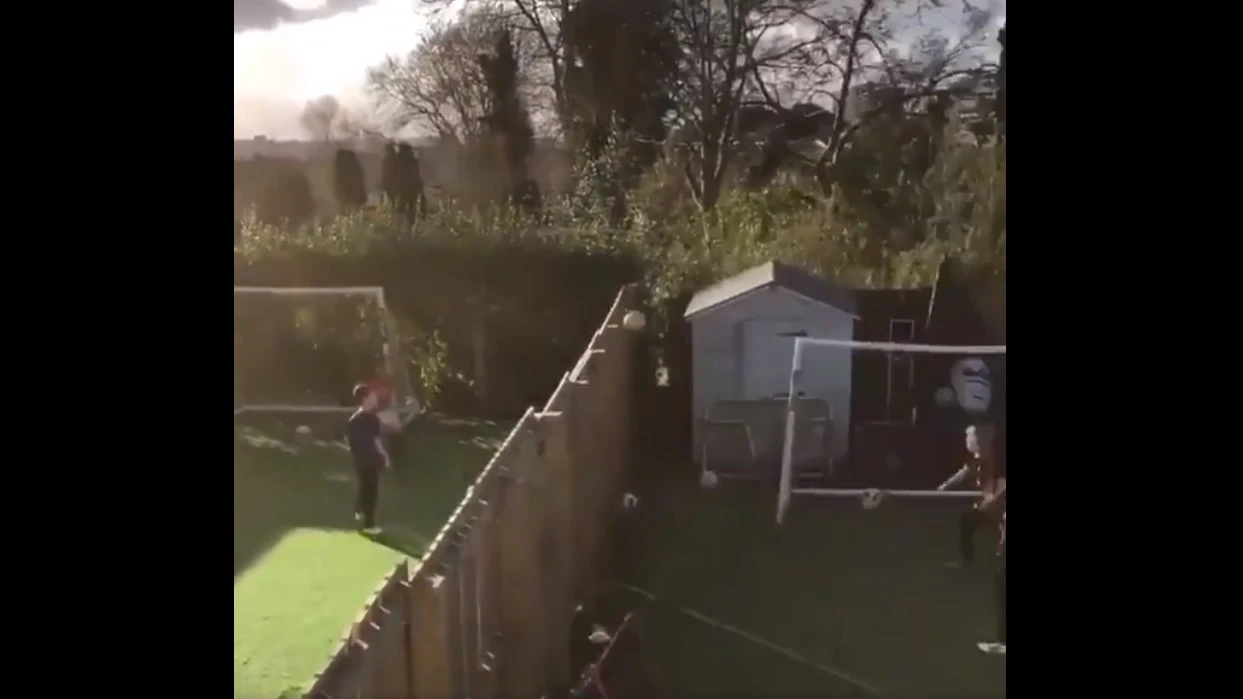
496 301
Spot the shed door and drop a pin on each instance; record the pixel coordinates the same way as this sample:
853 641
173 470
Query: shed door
768 353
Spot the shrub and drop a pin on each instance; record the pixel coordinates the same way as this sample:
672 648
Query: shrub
495 301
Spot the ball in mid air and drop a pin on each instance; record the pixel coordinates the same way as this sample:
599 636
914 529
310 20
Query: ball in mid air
944 397
872 499
390 420
634 320
303 430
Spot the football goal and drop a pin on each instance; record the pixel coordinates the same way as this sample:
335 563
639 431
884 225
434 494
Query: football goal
888 383
302 349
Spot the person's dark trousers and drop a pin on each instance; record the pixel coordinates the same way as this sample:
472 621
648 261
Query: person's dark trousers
394 445
999 596
368 493
968 524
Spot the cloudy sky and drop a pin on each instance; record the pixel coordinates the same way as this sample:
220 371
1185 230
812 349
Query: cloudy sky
286 52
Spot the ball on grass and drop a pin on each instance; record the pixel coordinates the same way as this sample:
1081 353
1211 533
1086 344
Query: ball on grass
599 635
634 320
708 479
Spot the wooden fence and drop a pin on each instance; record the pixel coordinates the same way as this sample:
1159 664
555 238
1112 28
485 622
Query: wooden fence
487 611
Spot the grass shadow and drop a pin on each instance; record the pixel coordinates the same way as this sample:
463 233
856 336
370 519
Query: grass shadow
284 481
862 592
292 600
281 483
402 540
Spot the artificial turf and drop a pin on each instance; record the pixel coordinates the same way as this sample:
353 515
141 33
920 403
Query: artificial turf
301 573
863 597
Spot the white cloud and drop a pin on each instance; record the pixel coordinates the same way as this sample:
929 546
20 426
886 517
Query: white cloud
304 4
276 71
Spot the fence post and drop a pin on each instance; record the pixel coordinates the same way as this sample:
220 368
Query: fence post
528 541
390 614
521 619
431 645
487 584
589 449
556 447
618 397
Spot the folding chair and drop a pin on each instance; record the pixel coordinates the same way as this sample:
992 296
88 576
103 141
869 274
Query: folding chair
728 446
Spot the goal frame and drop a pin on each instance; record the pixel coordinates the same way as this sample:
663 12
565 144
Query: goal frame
785 488
391 348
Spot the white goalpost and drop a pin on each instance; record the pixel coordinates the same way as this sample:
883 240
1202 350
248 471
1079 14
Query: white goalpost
385 335
786 488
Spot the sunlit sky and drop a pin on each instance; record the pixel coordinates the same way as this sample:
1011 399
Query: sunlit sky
277 70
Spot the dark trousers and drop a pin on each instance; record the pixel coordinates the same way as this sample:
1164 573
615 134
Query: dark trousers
368 493
969 523
999 596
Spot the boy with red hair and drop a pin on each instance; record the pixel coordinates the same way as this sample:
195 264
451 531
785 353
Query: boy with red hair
370 456
381 387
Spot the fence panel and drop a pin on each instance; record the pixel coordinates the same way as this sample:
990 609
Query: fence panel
558 531
522 636
431 653
386 623
486 612
368 660
487 585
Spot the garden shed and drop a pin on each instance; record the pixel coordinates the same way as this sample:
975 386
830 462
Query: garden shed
742 333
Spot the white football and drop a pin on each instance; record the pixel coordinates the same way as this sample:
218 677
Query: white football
303 430
634 320
390 419
944 396
872 499
708 479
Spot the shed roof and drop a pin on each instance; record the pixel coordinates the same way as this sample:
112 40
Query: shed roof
963 310
767 275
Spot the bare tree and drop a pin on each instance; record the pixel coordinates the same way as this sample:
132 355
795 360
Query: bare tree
359 123
871 78
725 44
868 59
326 119
537 33
319 116
439 87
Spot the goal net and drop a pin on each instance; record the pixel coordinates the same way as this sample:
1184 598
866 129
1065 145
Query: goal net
876 420
303 349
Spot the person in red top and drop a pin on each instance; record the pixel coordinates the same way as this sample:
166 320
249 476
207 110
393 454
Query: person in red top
989 476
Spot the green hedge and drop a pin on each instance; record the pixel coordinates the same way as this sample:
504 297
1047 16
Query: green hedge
538 303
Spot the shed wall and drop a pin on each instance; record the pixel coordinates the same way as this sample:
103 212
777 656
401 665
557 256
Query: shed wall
723 369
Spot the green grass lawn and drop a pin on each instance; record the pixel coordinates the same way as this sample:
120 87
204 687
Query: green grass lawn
864 595
301 573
